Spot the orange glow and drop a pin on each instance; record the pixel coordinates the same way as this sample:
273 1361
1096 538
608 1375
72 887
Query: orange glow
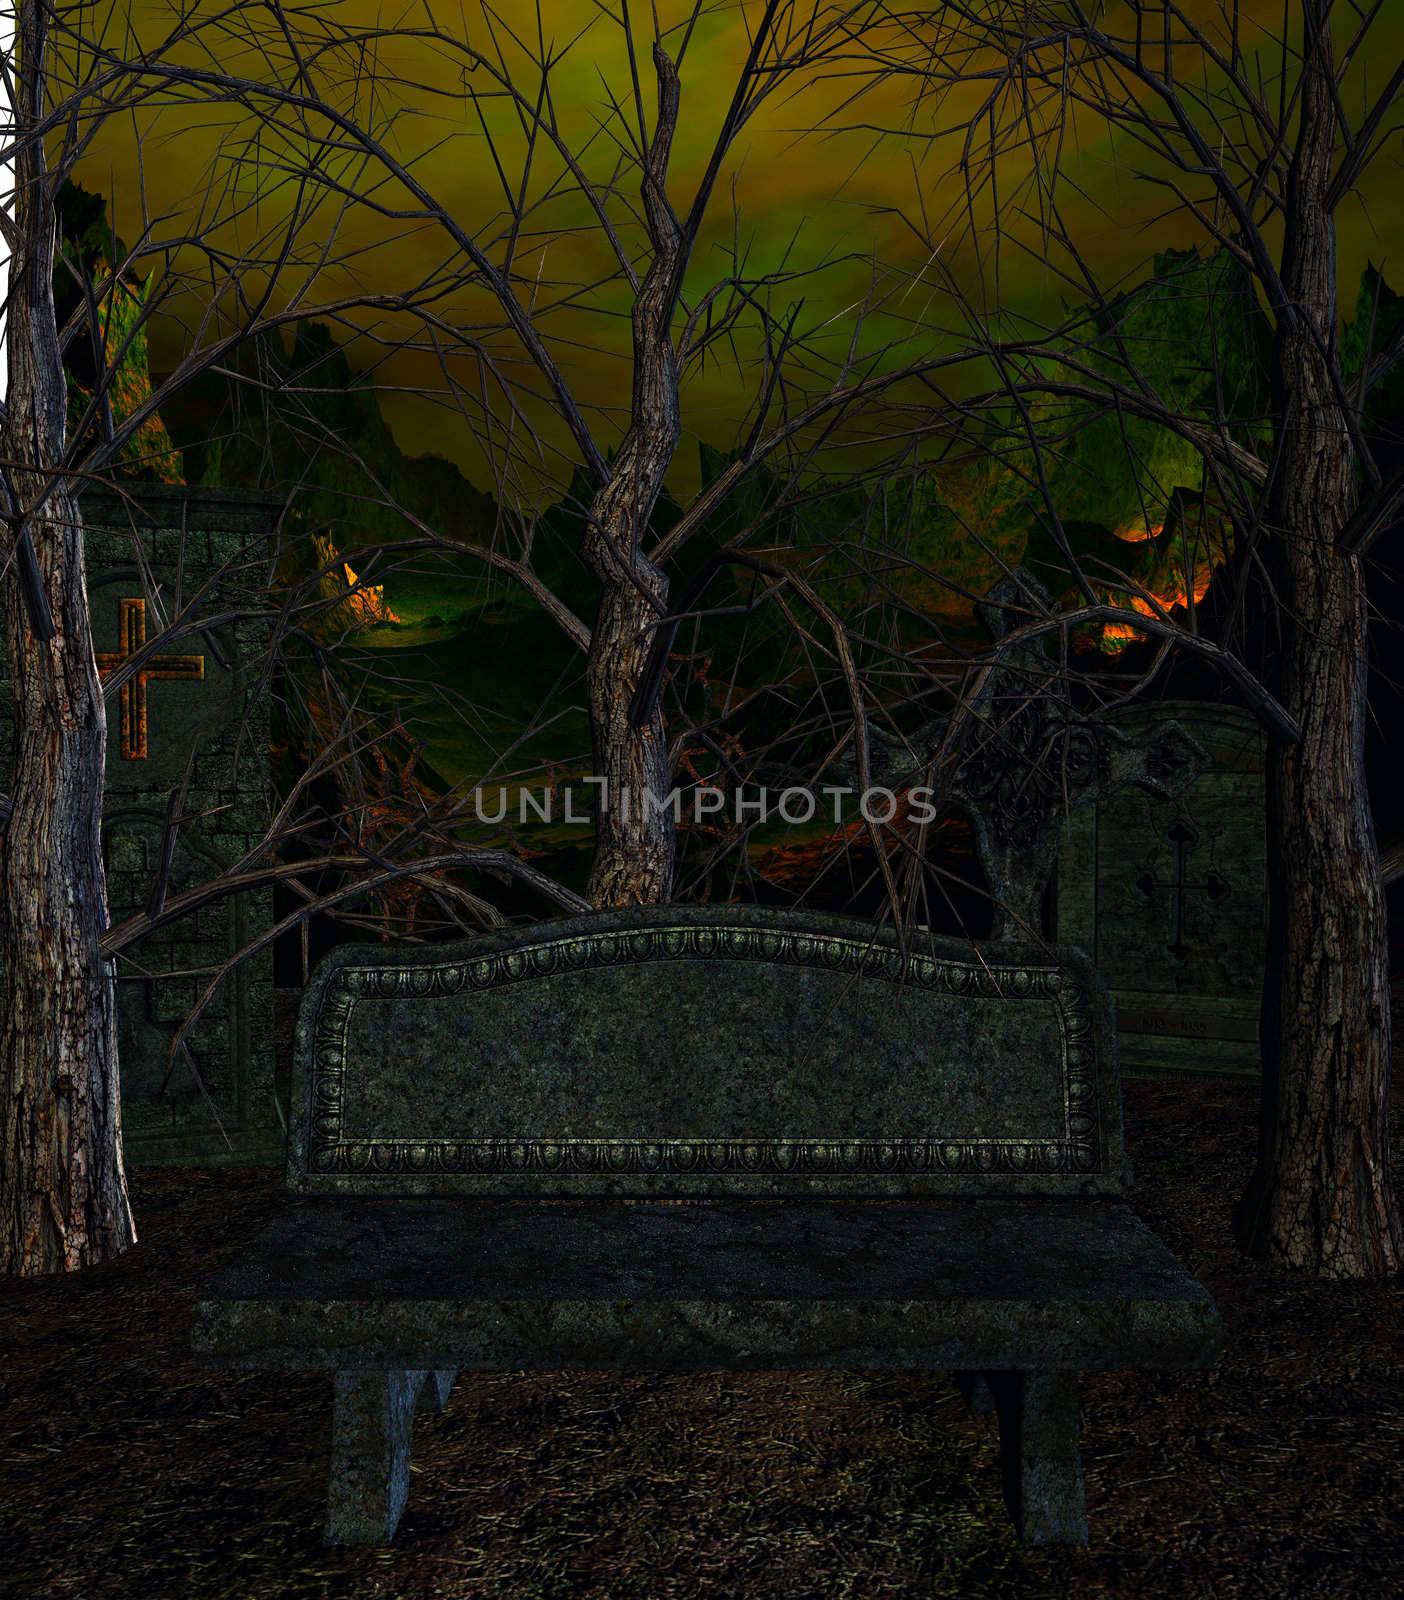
1117 635
360 608
1139 535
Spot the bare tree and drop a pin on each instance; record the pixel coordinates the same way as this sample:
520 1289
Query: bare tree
614 181
63 1200
320 166
1258 137
314 117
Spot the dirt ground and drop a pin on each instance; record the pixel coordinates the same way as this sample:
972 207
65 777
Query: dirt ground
127 1470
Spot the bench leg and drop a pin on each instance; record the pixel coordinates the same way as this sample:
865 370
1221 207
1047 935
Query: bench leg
1038 1444
372 1428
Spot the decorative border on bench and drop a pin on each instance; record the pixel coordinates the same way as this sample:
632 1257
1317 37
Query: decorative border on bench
328 1152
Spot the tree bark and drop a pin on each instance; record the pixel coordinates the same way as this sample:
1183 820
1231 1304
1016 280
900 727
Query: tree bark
63 1194
1320 1198
635 835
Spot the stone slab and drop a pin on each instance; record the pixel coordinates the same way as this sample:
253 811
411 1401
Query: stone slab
726 1049
372 1433
1039 1418
736 1283
1168 896
144 547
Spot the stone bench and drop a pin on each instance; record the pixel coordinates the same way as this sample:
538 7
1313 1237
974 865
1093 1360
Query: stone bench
900 1162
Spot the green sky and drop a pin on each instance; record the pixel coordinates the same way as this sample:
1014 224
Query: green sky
824 199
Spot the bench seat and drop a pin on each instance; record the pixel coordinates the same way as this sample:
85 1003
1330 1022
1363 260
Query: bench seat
1015 1297
543 1285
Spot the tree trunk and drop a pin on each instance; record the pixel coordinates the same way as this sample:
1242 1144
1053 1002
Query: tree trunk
1320 1199
635 835
63 1195
634 832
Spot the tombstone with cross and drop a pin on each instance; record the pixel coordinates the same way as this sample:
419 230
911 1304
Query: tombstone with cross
195 707
1169 898
1183 839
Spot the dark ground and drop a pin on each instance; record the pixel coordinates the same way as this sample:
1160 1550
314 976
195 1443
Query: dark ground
126 1470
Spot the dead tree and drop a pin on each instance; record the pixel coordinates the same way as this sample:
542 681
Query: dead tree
63 1197
317 122
1258 139
650 238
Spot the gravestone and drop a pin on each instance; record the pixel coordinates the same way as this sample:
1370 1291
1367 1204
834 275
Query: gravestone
1169 898
202 697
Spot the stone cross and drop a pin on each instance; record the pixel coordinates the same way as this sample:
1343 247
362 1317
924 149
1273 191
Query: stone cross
1025 758
186 669
1183 838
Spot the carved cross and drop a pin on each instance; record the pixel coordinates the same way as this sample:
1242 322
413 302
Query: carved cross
1184 839
132 695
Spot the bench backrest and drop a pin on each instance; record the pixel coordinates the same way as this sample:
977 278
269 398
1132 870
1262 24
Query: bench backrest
705 1051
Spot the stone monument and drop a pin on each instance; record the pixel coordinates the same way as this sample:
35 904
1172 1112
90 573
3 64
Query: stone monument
1169 898
201 698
